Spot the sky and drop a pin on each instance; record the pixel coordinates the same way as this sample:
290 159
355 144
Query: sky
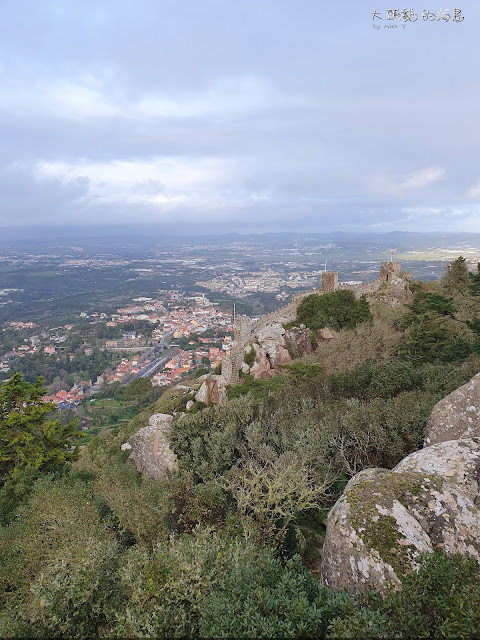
240 115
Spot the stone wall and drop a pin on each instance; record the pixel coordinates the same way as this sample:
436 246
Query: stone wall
392 286
389 270
329 281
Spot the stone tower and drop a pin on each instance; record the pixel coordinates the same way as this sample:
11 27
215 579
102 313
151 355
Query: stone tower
329 281
389 271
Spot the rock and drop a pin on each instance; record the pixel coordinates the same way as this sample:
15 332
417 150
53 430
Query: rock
213 391
324 335
126 446
244 368
282 357
299 341
385 519
181 387
270 338
151 452
456 461
189 405
261 367
456 416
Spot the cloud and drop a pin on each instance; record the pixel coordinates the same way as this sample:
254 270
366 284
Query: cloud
96 97
474 192
159 179
412 182
241 114
24 197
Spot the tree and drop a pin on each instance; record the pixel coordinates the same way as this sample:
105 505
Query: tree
337 310
426 338
273 493
29 439
456 276
137 389
424 302
474 284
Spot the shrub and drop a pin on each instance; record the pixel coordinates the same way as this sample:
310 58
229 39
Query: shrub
274 492
337 310
269 599
57 561
163 591
141 506
249 357
441 601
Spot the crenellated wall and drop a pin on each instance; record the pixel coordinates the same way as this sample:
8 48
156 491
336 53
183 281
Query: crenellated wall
392 285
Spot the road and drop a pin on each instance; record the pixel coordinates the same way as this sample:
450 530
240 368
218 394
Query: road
153 367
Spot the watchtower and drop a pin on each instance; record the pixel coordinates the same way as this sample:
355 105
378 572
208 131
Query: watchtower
389 271
242 329
329 281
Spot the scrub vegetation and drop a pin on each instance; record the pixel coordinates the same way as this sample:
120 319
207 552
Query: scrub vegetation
226 546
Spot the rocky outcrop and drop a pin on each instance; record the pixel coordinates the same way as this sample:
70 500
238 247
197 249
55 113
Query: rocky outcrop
151 452
212 391
270 338
457 415
261 368
299 341
282 356
385 519
324 335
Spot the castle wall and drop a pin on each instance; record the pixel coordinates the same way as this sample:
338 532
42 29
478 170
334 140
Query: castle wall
391 285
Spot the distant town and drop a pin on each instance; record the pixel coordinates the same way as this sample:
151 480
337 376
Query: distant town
85 315
175 318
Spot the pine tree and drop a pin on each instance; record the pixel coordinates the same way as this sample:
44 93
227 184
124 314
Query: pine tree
29 438
474 284
456 276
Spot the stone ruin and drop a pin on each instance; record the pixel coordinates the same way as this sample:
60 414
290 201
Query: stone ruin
329 281
392 285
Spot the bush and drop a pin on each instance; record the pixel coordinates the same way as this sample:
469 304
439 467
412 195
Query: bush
337 310
163 592
141 506
274 492
269 599
194 505
57 561
249 357
441 601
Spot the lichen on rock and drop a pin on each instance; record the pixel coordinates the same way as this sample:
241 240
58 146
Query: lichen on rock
385 520
456 416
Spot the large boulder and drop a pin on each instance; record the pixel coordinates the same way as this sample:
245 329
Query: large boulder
150 448
213 391
325 335
270 338
385 519
299 341
456 461
261 368
282 356
457 415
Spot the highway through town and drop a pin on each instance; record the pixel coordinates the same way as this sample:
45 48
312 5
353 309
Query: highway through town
157 364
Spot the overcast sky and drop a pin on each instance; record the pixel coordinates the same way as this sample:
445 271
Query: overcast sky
239 115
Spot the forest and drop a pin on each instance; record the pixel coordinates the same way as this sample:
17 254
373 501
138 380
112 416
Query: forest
230 543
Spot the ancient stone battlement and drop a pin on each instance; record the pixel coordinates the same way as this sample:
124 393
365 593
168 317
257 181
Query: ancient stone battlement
329 281
390 270
392 285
